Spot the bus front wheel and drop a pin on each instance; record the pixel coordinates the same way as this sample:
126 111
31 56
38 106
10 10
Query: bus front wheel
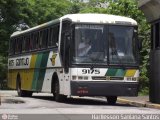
111 99
56 93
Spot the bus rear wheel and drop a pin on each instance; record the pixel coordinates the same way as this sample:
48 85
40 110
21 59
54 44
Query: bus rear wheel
22 93
111 100
56 93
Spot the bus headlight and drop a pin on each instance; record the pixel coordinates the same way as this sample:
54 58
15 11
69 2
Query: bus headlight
129 78
74 77
79 77
134 79
85 77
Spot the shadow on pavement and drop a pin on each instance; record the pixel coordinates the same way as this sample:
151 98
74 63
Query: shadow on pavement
82 101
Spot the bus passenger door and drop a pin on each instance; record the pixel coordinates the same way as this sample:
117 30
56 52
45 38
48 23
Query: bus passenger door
65 55
66 80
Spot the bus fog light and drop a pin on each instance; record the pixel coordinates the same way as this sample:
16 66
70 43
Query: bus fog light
74 77
80 78
85 77
107 78
134 79
129 78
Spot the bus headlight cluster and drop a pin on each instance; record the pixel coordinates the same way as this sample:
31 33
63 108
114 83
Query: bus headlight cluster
132 79
79 77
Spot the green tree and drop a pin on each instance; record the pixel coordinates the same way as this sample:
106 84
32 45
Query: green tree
35 12
32 12
8 17
76 6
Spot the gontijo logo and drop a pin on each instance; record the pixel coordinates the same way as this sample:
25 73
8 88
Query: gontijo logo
53 59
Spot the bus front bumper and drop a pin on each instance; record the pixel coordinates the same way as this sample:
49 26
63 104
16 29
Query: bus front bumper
103 88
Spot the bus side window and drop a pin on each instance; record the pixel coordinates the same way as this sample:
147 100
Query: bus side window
56 35
32 42
27 43
12 46
44 38
20 45
53 36
50 37
23 44
40 39
38 46
17 45
35 41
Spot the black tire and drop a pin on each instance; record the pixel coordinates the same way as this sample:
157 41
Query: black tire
111 100
56 93
22 93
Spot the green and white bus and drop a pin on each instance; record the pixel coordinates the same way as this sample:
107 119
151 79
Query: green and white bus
76 55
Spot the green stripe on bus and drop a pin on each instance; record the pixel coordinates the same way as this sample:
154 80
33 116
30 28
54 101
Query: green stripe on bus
111 72
36 71
120 72
42 70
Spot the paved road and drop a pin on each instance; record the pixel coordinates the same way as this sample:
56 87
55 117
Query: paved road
42 103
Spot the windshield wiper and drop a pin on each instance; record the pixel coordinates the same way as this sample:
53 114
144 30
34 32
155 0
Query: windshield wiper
95 60
114 52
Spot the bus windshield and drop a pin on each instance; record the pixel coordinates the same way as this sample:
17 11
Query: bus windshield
104 44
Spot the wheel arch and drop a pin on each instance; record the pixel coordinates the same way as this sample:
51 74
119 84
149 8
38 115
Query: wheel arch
18 79
54 80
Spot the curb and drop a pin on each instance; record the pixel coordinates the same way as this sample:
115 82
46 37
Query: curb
139 104
156 106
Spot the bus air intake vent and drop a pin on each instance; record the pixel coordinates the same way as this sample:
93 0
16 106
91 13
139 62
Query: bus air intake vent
106 78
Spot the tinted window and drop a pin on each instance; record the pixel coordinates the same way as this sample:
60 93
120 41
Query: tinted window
53 36
12 46
18 45
44 37
122 45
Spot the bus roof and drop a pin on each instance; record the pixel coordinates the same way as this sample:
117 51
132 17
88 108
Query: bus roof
99 18
84 18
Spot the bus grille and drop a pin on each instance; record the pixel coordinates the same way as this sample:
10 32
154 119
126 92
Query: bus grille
106 78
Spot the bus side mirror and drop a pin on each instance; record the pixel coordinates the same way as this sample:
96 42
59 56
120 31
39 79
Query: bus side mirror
66 52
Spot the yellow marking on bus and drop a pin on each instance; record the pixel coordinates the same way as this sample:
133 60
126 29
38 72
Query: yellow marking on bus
24 79
33 61
130 73
14 78
30 78
28 74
